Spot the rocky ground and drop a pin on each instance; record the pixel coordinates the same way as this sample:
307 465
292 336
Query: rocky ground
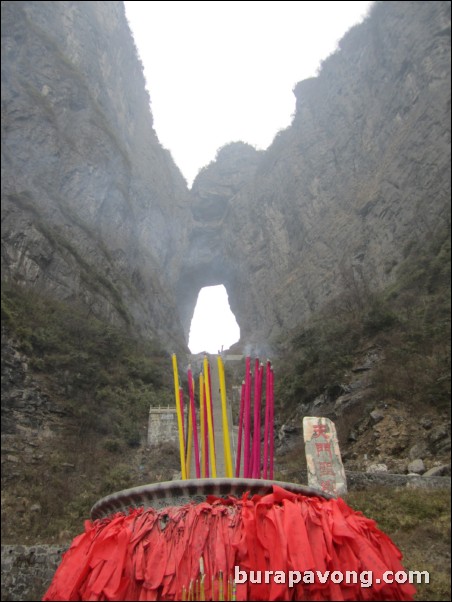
376 435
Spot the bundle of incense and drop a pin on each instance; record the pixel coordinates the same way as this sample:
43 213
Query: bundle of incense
257 450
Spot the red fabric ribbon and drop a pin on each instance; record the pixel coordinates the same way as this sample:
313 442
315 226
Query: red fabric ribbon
154 555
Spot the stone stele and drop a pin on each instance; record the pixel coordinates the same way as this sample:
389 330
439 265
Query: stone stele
323 457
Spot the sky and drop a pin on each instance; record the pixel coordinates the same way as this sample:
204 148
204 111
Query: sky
213 326
223 71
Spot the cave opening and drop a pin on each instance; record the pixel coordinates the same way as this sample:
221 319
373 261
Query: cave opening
213 326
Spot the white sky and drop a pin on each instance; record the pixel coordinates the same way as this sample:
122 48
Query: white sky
222 71
213 325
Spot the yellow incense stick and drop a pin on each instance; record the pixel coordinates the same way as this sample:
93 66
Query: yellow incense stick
202 591
226 441
209 419
179 419
201 419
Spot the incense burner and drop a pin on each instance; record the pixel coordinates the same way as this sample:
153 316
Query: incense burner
171 541
178 493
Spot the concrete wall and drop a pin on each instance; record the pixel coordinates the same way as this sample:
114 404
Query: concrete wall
28 570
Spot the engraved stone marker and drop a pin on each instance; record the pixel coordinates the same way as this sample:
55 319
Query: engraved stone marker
323 457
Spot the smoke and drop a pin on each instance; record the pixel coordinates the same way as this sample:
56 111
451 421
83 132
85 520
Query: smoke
258 349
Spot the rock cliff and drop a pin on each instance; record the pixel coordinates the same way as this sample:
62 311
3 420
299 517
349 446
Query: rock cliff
94 209
363 171
209 259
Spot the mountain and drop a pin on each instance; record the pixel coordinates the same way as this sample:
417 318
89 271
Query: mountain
96 212
361 175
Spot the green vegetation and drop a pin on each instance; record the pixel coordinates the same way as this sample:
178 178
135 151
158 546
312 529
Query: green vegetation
101 381
410 322
107 378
